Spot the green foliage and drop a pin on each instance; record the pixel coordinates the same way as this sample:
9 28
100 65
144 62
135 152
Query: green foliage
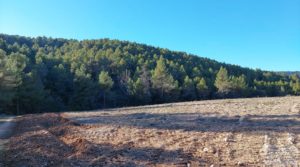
143 86
296 88
188 89
202 88
16 64
6 83
163 82
46 74
85 95
230 86
105 81
222 81
239 86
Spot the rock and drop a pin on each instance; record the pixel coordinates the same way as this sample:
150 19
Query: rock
291 138
240 163
159 133
229 138
209 150
267 139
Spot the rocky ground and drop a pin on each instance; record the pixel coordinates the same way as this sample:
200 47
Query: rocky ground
239 132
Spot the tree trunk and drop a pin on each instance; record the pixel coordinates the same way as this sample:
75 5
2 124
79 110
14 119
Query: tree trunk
104 100
18 106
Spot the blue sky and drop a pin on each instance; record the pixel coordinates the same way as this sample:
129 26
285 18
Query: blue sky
252 33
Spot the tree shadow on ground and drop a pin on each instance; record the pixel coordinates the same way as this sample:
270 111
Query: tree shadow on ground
200 123
47 151
40 144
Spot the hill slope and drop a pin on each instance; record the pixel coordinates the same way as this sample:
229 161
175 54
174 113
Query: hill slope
45 74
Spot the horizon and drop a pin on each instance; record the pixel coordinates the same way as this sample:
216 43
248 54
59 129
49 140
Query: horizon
151 46
232 33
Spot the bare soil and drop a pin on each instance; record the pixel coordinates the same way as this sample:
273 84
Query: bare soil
6 128
234 132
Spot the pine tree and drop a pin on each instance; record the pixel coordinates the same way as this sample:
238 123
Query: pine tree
16 64
294 77
188 89
6 82
126 85
296 87
238 86
106 83
67 73
143 84
202 88
163 82
32 90
222 81
84 95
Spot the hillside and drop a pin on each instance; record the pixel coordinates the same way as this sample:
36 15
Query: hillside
232 132
47 74
290 73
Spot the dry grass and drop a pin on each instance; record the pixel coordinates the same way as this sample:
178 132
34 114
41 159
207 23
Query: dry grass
239 132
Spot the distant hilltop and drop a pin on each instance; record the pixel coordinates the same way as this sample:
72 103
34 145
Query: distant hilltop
289 73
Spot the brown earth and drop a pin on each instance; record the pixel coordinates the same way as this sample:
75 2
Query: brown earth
6 127
239 132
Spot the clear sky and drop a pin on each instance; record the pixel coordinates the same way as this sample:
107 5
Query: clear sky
252 33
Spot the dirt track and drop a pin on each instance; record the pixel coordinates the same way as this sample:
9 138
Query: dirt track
6 126
242 132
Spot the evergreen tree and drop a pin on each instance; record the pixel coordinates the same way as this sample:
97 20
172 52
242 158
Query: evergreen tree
296 87
61 83
202 88
6 83
222 81
188 89
32 92
163 82
106 83
71 74
238 86
84 95
126 84
16 64
143 85
294 77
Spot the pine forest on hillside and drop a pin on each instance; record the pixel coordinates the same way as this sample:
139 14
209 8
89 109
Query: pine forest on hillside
46 74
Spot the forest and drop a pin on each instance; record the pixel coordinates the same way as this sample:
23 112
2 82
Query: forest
45 74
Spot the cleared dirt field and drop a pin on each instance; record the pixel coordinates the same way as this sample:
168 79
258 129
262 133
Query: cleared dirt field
234 132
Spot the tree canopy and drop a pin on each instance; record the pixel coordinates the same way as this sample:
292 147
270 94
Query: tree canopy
52 74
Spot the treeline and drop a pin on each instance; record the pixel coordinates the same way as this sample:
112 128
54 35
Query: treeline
45 74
